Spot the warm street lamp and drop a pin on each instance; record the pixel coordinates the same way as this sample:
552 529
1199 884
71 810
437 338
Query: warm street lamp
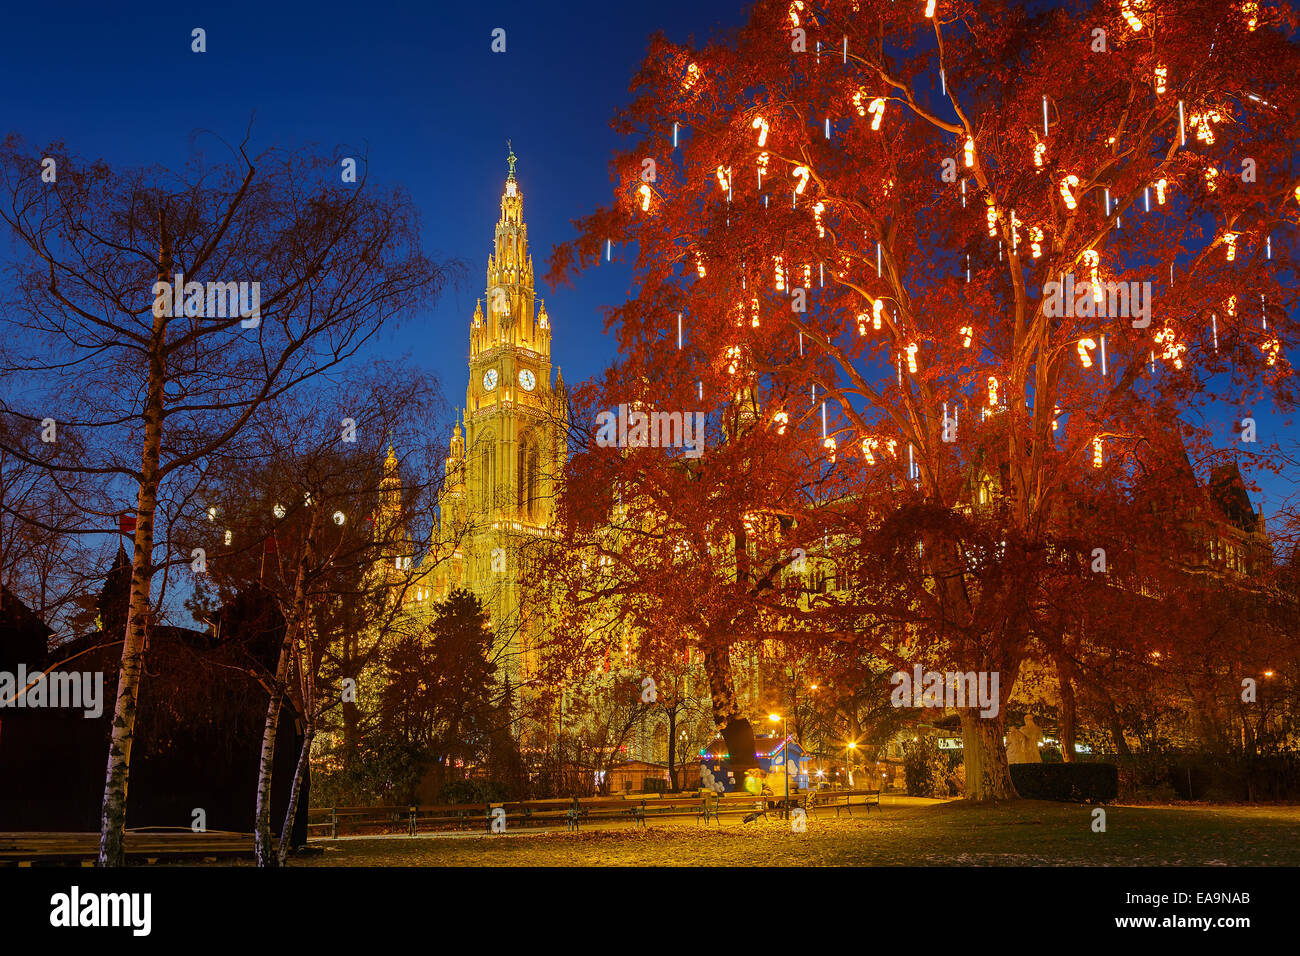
848 763
785 759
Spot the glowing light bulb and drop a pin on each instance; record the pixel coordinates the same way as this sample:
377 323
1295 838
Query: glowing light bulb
1210 175
1056 410
1251 11
1232 306
1160 191
967 333
867 445
877 308
760 124
877 108
1162 75
1085 345
780 273
829 445
1096 453
1068 183
724 178
801 173
911 358
1039 152
1134 23
1231 239
692 75
969 150
762 162
1297 194
645 197
733 356
929 8
781 419
807 276
991 216
993 392
1171 348
1036 241
862 323
796 6
753 312
699 266
817 218
1271 349
1092 261
857 102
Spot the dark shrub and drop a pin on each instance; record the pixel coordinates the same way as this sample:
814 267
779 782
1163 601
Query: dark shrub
472 791
921 767
1072 782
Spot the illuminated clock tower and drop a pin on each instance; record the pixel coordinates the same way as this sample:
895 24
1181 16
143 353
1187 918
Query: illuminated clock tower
502 480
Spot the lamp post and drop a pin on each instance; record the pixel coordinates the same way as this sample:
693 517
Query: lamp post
848 764
785 759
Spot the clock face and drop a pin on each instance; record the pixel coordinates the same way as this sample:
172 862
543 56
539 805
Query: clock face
490 379
527 380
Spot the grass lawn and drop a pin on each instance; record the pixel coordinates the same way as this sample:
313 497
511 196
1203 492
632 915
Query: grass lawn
1028 833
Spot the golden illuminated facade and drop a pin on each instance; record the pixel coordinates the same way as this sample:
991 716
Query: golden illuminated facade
502 469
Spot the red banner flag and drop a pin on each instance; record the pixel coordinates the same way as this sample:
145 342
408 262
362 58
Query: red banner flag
126 524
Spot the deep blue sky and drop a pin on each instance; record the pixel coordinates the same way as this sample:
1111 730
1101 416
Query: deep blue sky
414 84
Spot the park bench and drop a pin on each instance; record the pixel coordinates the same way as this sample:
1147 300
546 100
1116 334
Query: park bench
843 800
672 806
745 804
589 809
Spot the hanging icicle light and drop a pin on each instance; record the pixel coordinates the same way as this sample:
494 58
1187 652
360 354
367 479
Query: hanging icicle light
969 150
877 109
1068 183
760 124
1084 348
967 333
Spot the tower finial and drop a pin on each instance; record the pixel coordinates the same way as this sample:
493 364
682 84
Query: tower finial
511 159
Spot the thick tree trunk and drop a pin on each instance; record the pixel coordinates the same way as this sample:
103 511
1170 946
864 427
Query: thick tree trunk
297 619
734 728
112 827
1068 714
987 776
300 771
672 749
